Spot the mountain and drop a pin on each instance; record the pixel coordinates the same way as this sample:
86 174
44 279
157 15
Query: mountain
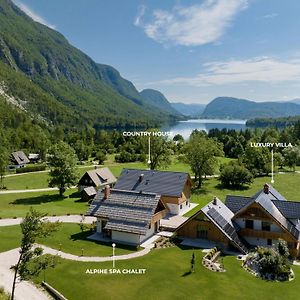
297 101
233 108
192 110
40 61
157 99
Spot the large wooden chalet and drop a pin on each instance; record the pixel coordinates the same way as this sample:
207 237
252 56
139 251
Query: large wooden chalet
128 217
246 222
173 187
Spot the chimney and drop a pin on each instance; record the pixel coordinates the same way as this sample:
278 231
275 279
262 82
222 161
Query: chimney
141 177
215 200
266 188
106 192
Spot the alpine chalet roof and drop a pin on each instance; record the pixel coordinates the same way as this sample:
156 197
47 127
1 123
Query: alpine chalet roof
101 176
159 182
126 211
273 203
222 216
20 158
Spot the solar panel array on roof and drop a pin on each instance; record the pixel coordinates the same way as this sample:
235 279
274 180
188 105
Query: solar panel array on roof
159 182
227 228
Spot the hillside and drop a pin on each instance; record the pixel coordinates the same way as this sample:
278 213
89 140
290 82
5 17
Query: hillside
233 108
93 93
192 110
157 99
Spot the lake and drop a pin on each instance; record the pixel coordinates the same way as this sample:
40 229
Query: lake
185 128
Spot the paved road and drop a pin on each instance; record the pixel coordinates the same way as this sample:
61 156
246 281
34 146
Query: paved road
63 219
47 171
31 190
24 289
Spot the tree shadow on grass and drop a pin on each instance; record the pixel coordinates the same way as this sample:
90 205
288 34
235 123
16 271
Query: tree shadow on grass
39 200
199 191
186 274
232 188
75 195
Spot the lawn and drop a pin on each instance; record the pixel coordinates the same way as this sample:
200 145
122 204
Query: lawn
40 180
10 237
17 205
167 277
287 184
70 239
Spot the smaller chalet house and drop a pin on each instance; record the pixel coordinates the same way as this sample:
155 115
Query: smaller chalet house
173 187
245 222
128 217
34 157
19 159
98 178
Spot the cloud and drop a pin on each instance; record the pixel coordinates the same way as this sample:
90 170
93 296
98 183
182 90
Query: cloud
140 14
270 16
258 69
191 25
33 15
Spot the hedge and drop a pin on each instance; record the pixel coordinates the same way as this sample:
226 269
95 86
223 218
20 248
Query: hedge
28 169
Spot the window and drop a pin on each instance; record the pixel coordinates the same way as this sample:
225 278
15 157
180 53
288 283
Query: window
249 224
202 232
180 206
265 226
269 242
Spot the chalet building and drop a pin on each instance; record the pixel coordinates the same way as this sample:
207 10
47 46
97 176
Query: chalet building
128 217
98 179
173 187
88 193
246 222
34 158
19 159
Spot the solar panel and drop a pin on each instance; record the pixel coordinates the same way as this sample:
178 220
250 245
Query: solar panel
228 228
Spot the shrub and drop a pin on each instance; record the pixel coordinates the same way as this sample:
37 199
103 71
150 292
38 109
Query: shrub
30 168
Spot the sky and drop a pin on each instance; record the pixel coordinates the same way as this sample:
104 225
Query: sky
191 50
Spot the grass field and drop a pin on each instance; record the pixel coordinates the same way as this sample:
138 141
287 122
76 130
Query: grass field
10 237
167 277
72 241
40 180
17 205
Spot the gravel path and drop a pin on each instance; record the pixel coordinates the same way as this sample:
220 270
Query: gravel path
63 219
24 289
48 250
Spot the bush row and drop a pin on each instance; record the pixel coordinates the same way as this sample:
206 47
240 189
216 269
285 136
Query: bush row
33 168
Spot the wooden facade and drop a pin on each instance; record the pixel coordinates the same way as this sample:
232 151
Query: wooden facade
256 212
201 227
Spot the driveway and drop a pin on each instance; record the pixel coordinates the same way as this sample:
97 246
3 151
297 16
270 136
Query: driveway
24 289
63 219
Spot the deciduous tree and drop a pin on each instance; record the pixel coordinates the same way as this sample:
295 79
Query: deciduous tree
63 161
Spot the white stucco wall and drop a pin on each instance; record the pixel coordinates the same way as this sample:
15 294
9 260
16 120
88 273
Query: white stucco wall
259 241
175 208
132 238
125 237
257 225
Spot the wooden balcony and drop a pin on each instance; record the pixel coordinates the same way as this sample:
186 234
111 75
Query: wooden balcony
261 234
